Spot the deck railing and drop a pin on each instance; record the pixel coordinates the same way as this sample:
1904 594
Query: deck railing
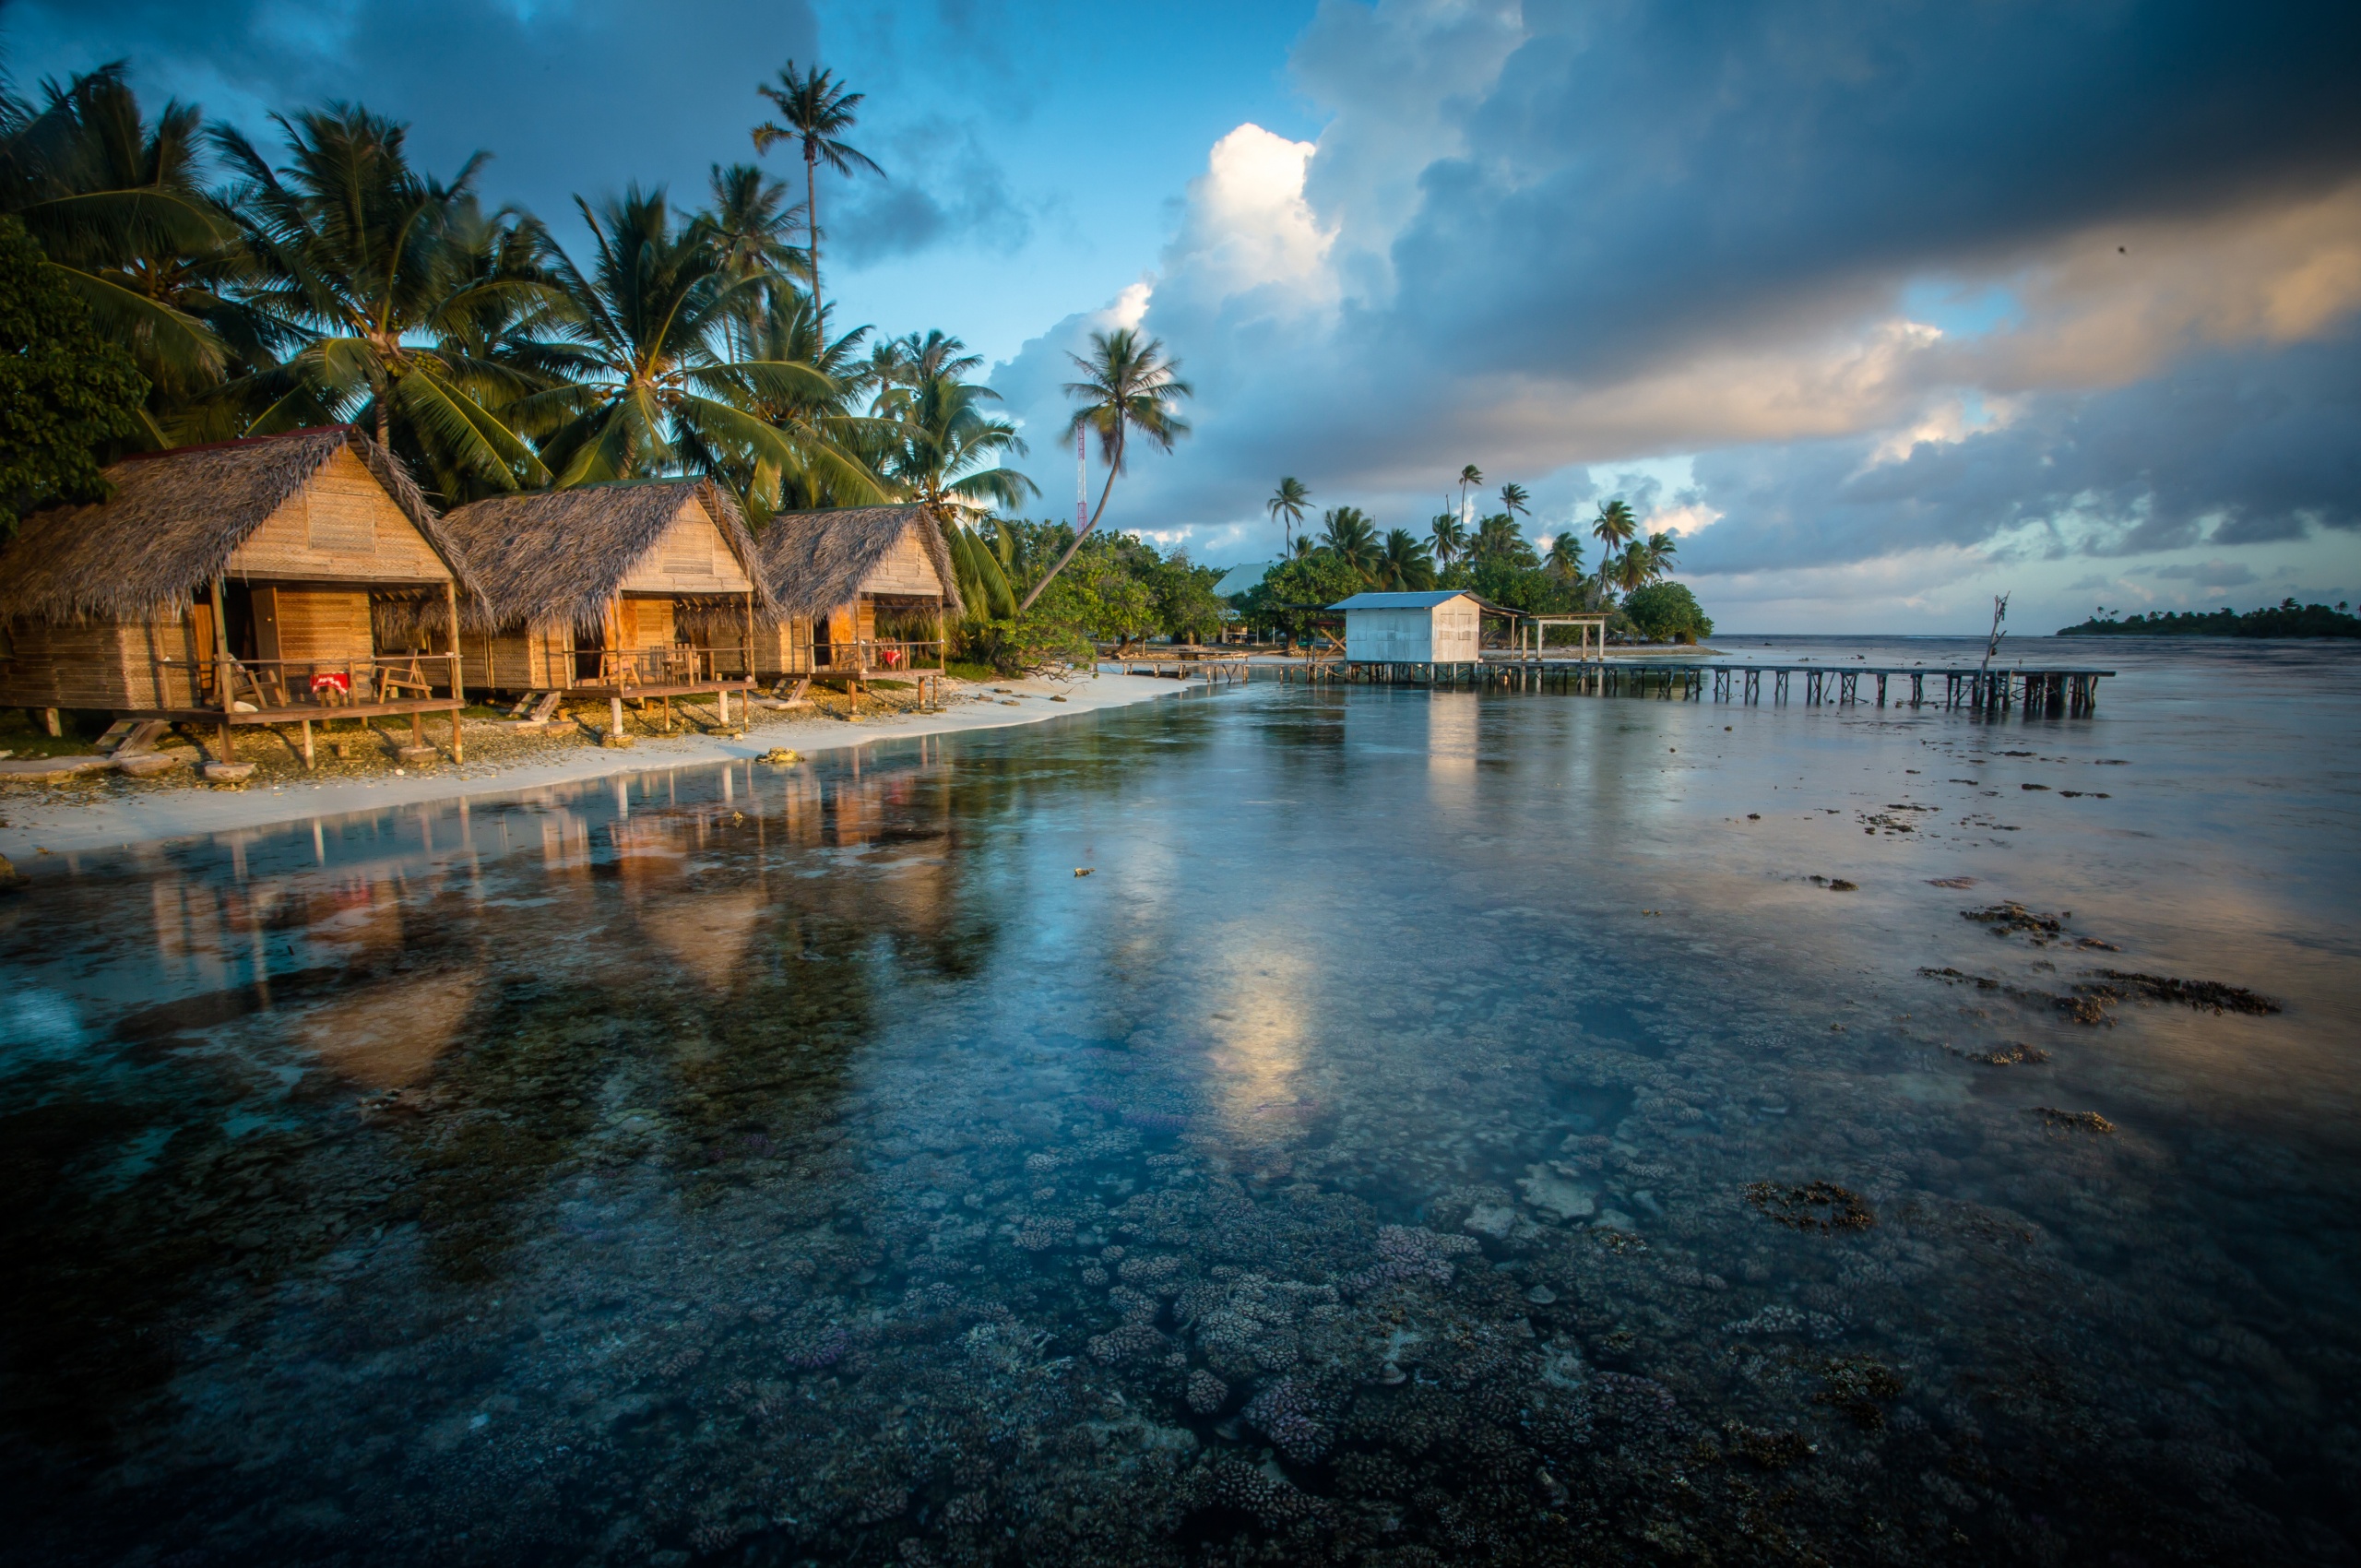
678 665
271 684
883 656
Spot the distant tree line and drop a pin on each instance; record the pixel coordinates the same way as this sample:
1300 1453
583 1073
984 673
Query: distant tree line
2286 619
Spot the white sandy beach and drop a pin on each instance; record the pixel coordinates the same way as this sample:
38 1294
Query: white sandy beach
57 822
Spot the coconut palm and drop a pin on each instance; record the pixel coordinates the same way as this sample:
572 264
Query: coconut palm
1565 557
816 109
749 222
363 253
945 449
1404 565
1468 476
1450 538
1513 500
655 392
117 204
1129 387
1499 538
788 332
1303 548
1347 533
1288 504
1614 527
1628 571
1661 548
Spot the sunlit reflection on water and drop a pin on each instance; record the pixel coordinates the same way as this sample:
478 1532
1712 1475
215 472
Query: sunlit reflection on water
1480 1126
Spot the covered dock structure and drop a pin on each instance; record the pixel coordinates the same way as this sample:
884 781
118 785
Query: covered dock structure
861 592
640 591
280 579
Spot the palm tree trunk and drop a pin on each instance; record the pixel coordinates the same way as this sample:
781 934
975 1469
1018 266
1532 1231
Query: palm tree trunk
1113 468
811 232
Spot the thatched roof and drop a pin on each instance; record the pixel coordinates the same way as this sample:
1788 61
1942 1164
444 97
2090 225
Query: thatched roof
559 555
173 520
816 560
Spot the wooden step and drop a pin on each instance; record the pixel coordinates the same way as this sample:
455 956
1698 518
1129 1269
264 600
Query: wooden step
545 707
128 737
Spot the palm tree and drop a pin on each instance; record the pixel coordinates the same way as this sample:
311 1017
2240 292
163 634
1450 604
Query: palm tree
1629 570
1513 499
1404 565
816 107
1303 548
1468 476
1614 526
364 254
1449 536
1565 556
937 454
653 393
749 224
1661 548
788 332
1347 533
1499 538
1288 504
117 205
1128 386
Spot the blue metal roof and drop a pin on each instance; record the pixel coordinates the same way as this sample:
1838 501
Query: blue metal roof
1401 600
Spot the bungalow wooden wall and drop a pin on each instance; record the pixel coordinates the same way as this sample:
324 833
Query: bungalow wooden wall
689 557
100 664
646 622
906 568
303 625
518 660
783 647
340 526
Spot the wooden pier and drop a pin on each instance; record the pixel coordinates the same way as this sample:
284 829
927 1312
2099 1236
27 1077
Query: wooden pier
1993 691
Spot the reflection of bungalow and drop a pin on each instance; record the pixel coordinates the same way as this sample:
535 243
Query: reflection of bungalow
644 589
1441 627
277 579
861 590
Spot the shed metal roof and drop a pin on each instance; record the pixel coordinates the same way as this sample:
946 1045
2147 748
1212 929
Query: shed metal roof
1402 600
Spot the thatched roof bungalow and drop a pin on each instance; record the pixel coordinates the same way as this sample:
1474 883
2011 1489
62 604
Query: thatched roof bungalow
861 590
645 588
247 581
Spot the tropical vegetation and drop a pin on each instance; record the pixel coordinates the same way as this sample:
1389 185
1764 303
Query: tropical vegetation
2286 619
167 282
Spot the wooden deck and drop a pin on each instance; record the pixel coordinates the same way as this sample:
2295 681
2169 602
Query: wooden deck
2056 690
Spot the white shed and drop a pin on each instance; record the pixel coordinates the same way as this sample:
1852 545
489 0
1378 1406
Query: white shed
1411 628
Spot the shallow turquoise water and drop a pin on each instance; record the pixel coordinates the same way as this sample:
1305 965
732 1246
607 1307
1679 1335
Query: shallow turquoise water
1385 1150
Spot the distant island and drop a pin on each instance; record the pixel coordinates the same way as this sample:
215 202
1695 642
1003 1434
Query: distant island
2286 619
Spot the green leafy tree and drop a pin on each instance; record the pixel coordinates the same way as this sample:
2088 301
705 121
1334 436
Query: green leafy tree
1667 612
1499 538
66 393
1130 387
1294 596
815 110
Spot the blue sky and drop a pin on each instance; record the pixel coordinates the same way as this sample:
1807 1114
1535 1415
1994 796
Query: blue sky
1882 309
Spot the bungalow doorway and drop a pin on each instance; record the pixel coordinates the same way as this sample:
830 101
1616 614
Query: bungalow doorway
590 653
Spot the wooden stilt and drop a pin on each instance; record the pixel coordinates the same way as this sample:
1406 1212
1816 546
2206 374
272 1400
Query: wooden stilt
615 716
307 743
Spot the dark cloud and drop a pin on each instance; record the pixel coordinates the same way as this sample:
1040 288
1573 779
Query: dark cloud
2227 450
1645 176
940 186
2210 573
574 99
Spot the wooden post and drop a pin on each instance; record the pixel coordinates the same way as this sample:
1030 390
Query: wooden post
50 722
221 671
615 716
307 743
458 667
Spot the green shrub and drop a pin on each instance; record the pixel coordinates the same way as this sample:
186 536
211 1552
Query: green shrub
1667 612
